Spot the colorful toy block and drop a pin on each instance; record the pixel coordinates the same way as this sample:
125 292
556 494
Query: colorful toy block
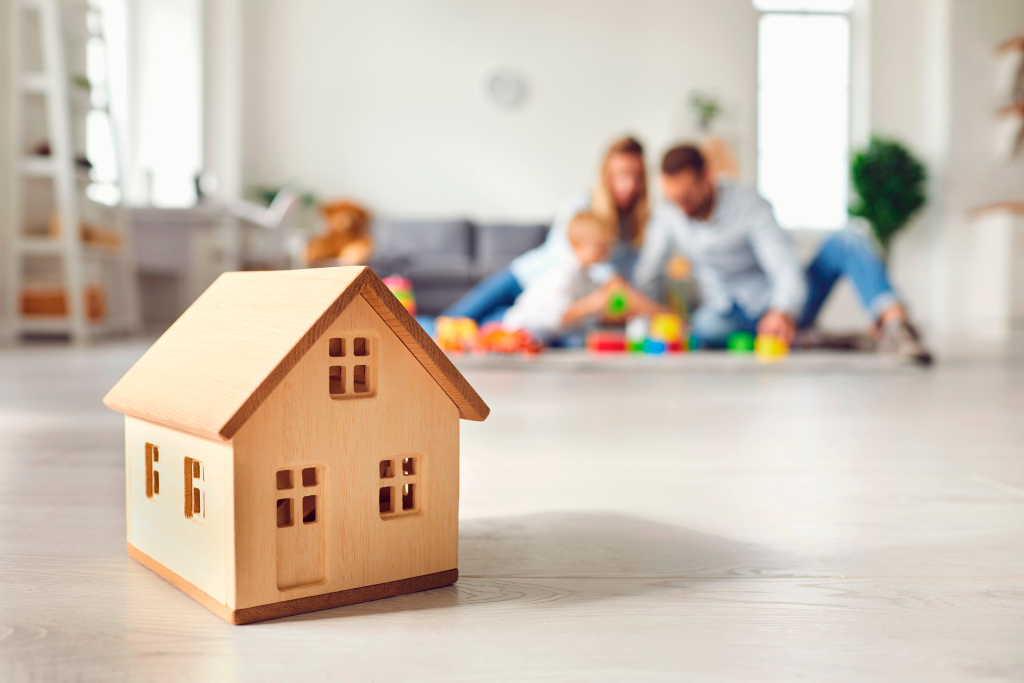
493 338
402 289
740 342
456 334
667 327
617 303
606 342
654 346
636 332
769 349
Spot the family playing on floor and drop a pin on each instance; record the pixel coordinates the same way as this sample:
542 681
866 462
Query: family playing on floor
617 239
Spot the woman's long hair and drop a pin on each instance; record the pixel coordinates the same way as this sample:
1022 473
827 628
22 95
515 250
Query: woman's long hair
630 226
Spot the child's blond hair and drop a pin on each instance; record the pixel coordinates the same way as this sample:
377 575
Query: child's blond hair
588 227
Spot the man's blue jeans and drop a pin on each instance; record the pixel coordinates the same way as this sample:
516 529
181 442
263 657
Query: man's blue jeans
844 253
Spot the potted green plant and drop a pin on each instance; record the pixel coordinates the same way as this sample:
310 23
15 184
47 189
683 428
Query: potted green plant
706 108
890 186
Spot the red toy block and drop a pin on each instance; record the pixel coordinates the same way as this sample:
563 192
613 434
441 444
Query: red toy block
606 342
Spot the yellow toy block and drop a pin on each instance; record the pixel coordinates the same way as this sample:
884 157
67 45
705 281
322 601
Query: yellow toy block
769 349
666 327
455 334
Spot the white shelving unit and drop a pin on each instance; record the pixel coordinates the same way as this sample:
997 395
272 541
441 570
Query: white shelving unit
49 115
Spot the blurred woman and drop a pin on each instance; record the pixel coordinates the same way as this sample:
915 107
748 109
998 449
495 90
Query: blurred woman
619 198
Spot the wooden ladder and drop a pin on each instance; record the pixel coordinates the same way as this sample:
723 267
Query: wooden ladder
64 249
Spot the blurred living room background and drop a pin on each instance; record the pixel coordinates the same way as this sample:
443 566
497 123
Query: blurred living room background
205 134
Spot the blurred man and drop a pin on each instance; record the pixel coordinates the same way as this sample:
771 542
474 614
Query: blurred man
746 265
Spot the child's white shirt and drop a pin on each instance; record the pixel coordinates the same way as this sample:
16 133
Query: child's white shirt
541 307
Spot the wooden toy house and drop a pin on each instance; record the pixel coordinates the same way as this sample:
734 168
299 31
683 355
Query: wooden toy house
292 444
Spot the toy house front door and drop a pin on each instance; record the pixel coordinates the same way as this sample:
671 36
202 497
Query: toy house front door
301 551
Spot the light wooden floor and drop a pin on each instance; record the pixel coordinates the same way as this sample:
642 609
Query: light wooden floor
664 523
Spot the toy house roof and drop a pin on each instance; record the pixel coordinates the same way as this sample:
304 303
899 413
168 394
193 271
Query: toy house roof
223 357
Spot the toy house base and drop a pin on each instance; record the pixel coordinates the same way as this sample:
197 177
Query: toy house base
290 608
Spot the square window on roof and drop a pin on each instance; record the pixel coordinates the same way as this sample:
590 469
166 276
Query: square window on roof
351 370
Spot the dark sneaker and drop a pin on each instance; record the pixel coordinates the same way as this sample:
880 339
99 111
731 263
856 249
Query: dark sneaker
900 339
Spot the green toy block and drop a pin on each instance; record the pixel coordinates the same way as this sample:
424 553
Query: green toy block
740 342
617 303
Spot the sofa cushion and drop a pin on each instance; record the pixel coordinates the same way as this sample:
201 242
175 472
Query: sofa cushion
498 243
441 249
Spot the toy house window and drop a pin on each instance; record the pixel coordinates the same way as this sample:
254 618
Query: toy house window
305 483
152 471
351 371
399 491
195 490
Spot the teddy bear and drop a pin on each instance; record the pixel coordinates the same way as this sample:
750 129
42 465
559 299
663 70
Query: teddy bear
346 235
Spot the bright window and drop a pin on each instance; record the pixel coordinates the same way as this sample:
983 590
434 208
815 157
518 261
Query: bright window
804 111
803 5
106 67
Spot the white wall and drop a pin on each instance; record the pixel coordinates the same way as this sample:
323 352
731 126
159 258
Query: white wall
380 101
932 86
974 176
5 164
222 95
908 87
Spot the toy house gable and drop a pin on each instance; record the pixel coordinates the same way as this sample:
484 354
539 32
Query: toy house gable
376 467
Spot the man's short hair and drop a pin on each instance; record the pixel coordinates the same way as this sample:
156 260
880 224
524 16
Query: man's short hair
683 158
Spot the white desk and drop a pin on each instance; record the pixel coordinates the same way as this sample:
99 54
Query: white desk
189 246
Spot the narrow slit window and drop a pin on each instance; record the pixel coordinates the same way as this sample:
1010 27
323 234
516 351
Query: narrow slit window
195 490
284 512
360 347
408 497
336 348
284 480
359 384
408 466
387 471
308 509
152 470
337 380
385 500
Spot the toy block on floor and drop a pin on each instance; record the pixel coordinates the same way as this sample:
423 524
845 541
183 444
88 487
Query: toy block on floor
770 349
740 342
606 342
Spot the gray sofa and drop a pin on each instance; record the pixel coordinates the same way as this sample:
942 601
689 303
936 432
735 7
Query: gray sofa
444 259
